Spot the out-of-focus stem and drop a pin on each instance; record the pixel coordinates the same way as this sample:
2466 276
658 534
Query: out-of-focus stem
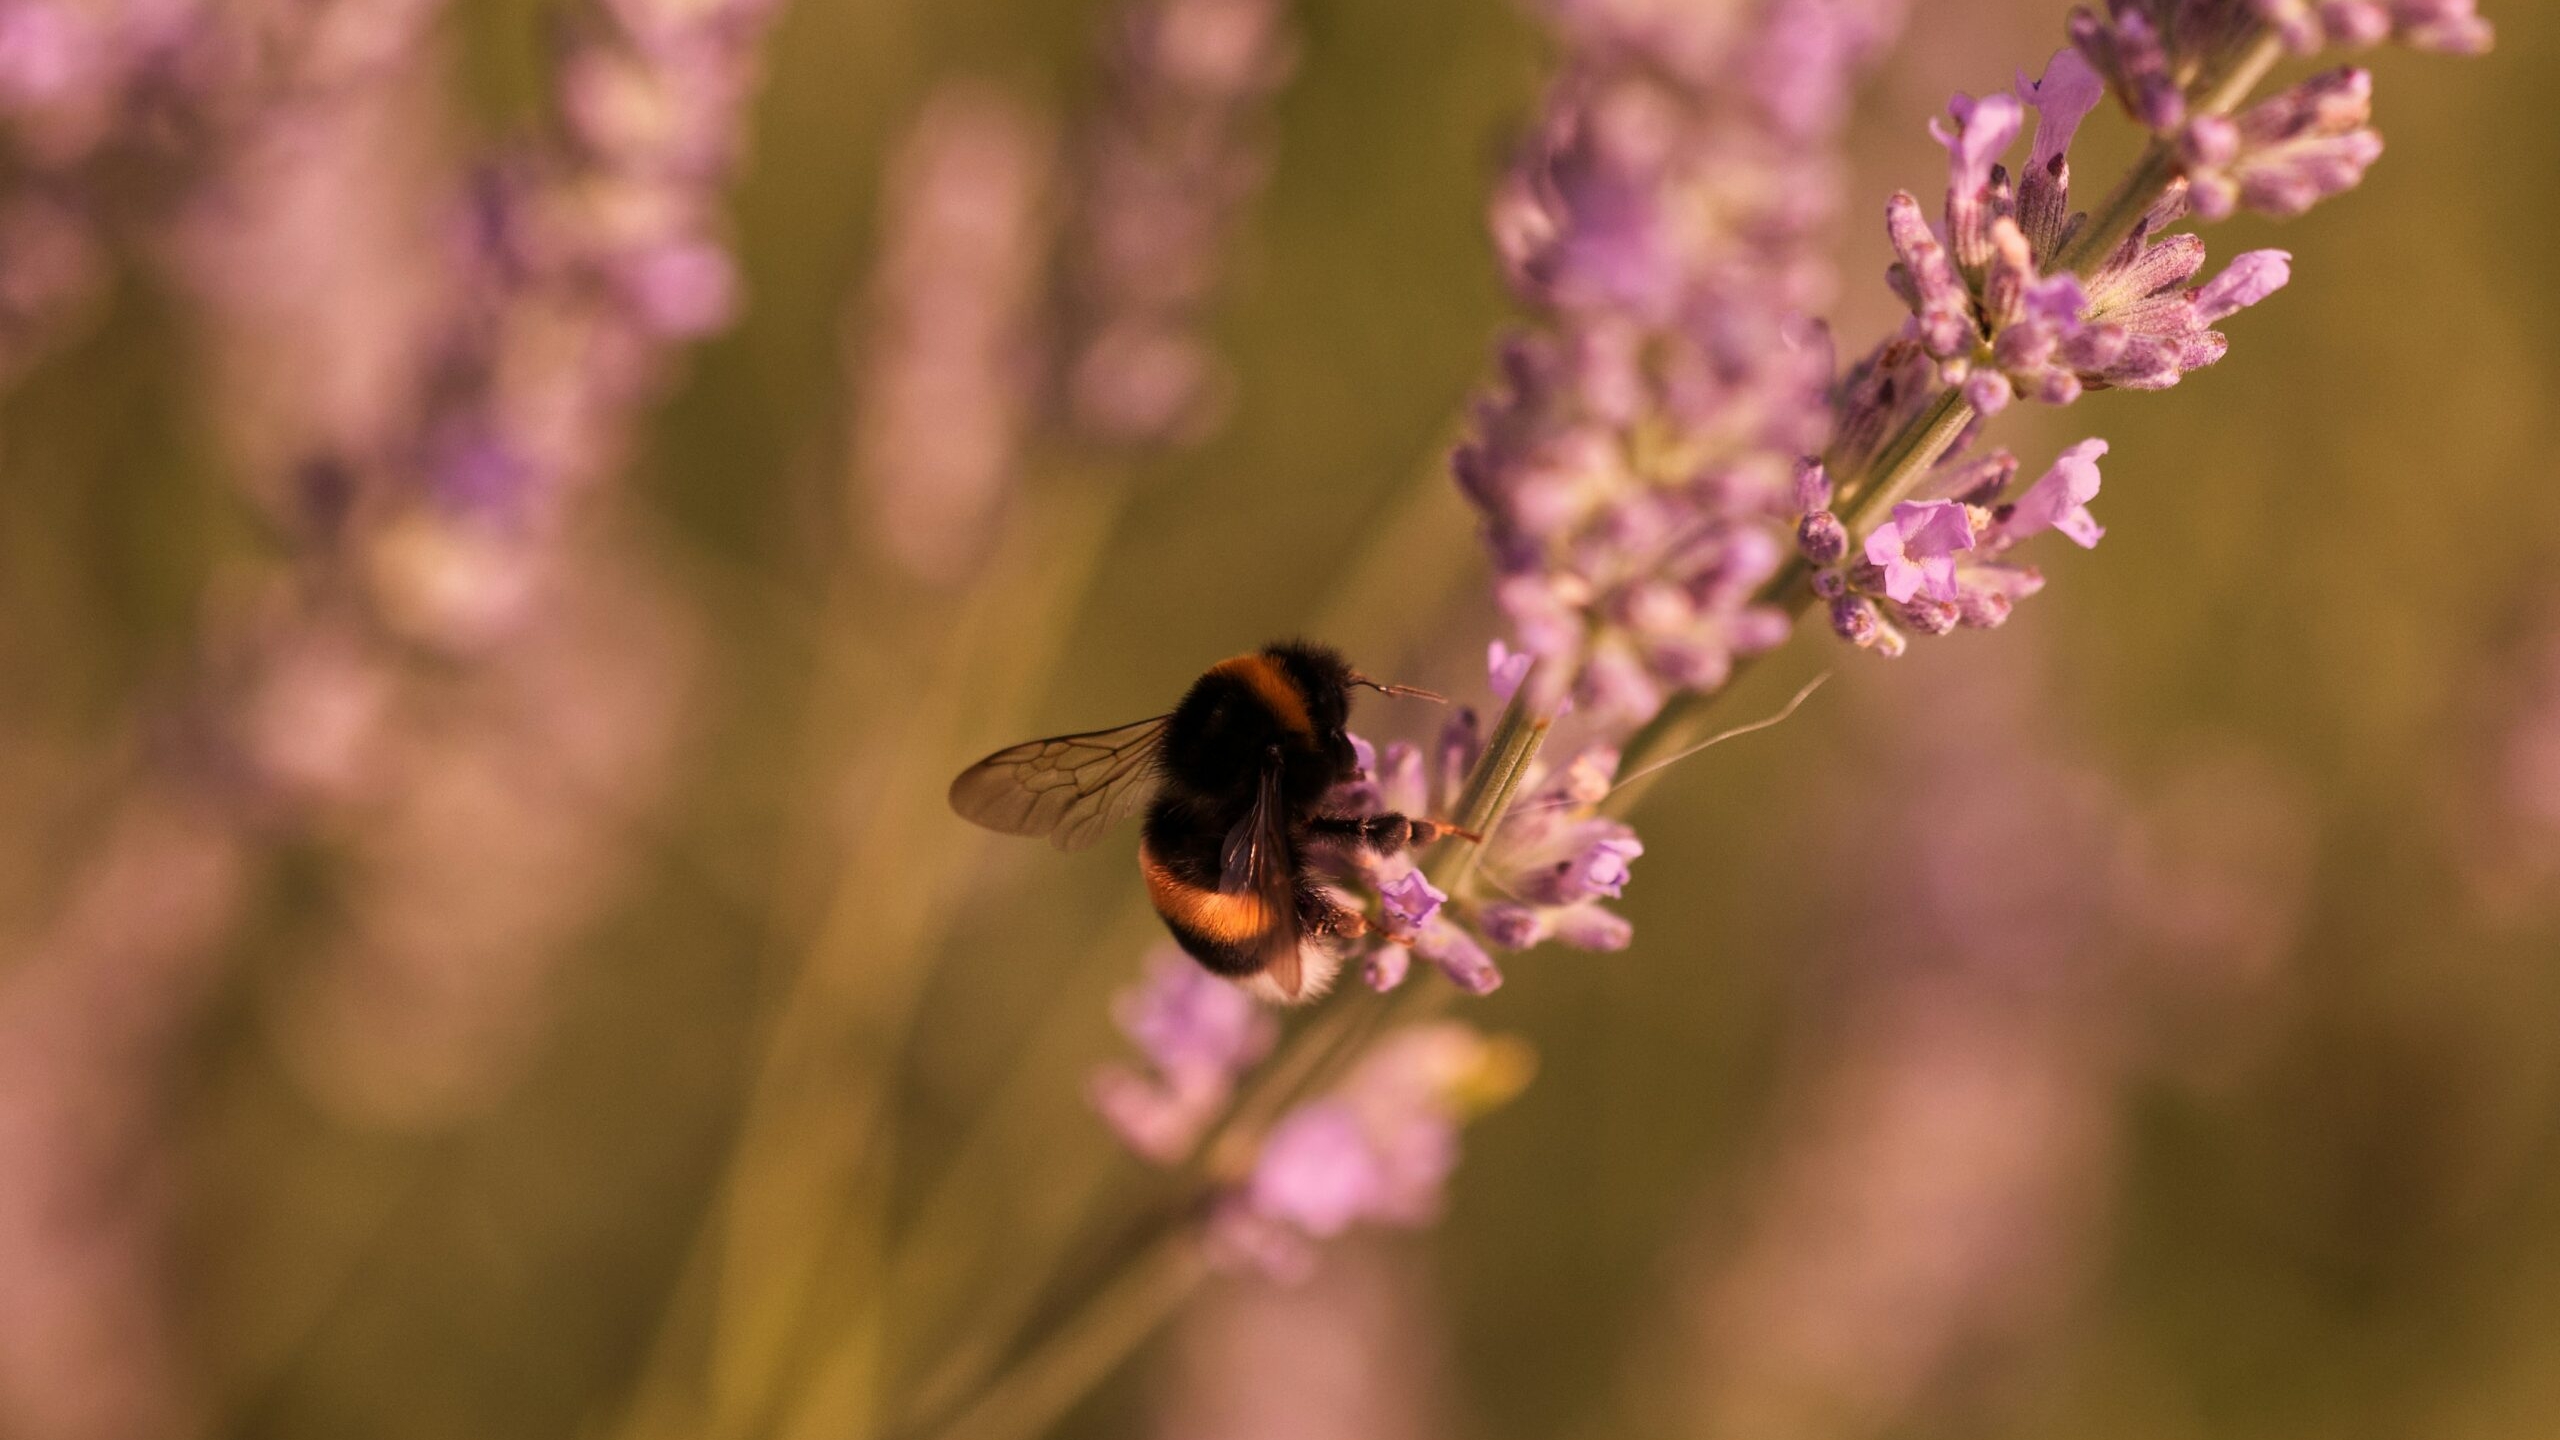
814 1107
1058 1372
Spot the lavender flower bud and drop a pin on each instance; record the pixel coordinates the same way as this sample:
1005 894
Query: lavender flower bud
1458 956
1380 1149
2355 24
1988 392
2249 279
1854 619
1511 924
1198 1034
1984 130
1929 281
1982 608
2449 26
1813 486
1386 967
1822 539
1589 927
2126 48
1925 616
2287 153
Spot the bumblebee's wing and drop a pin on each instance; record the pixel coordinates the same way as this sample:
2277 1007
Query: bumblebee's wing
1070 788
1256 861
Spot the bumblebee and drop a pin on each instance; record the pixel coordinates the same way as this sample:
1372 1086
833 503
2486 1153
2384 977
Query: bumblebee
1233 782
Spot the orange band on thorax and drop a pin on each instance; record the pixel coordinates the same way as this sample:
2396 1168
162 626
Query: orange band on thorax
1273 685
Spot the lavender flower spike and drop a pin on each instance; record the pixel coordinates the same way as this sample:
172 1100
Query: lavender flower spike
1543 874
1666 222
2286 154
1199 1035
1379 1150
1167 165
946 387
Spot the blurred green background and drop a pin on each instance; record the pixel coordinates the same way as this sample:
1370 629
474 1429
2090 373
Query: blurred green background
2239 1126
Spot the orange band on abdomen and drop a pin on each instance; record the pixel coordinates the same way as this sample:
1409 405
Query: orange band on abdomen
1227 919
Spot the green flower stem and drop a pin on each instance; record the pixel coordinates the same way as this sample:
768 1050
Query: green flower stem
1031 1396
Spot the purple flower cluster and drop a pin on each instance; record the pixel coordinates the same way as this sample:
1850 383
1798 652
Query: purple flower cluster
1166 167
1542 875
104 105
1666 223
587 260
2005 305
1672 414
1638 461
1378 1150
1199 1034
2286 154
1993 306
1942 560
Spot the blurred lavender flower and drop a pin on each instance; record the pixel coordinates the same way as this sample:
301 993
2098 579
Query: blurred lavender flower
1937 1194
1165 167
2284 155
50 270
583 266
2505 827
490 825
1376 1151
1358 1349
1667 222
1198 1034
94 1020
950 327
115 114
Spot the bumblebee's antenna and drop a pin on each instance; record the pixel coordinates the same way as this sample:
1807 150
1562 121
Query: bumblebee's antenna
1402 692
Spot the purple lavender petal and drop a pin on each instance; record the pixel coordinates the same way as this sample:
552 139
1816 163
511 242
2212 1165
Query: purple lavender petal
2249 278
2069 90
1317 1170
1410 900
2060 500
1984 131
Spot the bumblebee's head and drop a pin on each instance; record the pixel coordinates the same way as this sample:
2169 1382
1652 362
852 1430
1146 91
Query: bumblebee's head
1326 680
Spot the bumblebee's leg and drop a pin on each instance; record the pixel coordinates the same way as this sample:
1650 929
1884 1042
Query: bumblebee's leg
1323 916
1387 834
